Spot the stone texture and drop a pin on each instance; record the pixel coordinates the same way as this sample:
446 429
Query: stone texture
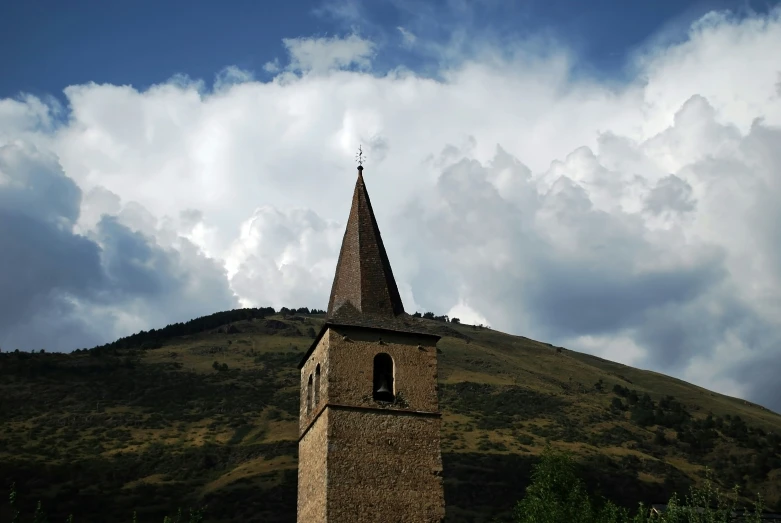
346 358
384 467
312 455
381 462
351 368
319 356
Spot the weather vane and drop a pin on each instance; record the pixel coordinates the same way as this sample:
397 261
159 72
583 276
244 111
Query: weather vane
360 157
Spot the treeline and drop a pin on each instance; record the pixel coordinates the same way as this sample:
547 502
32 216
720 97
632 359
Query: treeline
432 316
446 319
153 339
301 310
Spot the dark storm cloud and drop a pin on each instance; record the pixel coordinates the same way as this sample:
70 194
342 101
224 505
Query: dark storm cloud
132 262
31 185
570 298
37 258
761 373
58 288
56 324
676 332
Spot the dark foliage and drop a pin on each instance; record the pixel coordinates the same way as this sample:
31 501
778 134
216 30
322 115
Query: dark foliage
697 437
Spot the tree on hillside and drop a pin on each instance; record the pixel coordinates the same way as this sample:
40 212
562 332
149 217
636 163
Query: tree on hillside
556 494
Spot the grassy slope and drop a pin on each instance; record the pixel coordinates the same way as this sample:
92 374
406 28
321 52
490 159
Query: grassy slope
152 429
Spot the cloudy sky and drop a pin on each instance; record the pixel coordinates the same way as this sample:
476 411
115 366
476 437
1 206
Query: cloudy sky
602 177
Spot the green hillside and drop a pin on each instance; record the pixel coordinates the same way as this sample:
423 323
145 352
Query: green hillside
205 413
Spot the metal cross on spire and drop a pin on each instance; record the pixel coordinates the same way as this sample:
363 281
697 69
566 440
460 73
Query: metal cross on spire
360 157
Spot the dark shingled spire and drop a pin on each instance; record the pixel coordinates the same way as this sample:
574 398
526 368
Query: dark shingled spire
364 291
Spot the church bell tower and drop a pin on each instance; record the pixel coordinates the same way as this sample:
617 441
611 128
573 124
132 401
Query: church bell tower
368 448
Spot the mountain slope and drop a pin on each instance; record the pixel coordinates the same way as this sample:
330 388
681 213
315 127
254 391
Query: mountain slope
207 413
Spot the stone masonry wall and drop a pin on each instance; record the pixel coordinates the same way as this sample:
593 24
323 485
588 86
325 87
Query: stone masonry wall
312 472
361 464
384 468
351 368
318 356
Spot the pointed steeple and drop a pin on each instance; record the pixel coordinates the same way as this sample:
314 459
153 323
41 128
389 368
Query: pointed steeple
364 290
364 293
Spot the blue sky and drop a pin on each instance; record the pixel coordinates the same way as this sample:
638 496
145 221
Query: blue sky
48 45
600 175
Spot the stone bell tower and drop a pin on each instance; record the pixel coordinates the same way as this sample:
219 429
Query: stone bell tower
368 448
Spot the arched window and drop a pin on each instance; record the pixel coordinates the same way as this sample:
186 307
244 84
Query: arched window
317 385
384 387
309 396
